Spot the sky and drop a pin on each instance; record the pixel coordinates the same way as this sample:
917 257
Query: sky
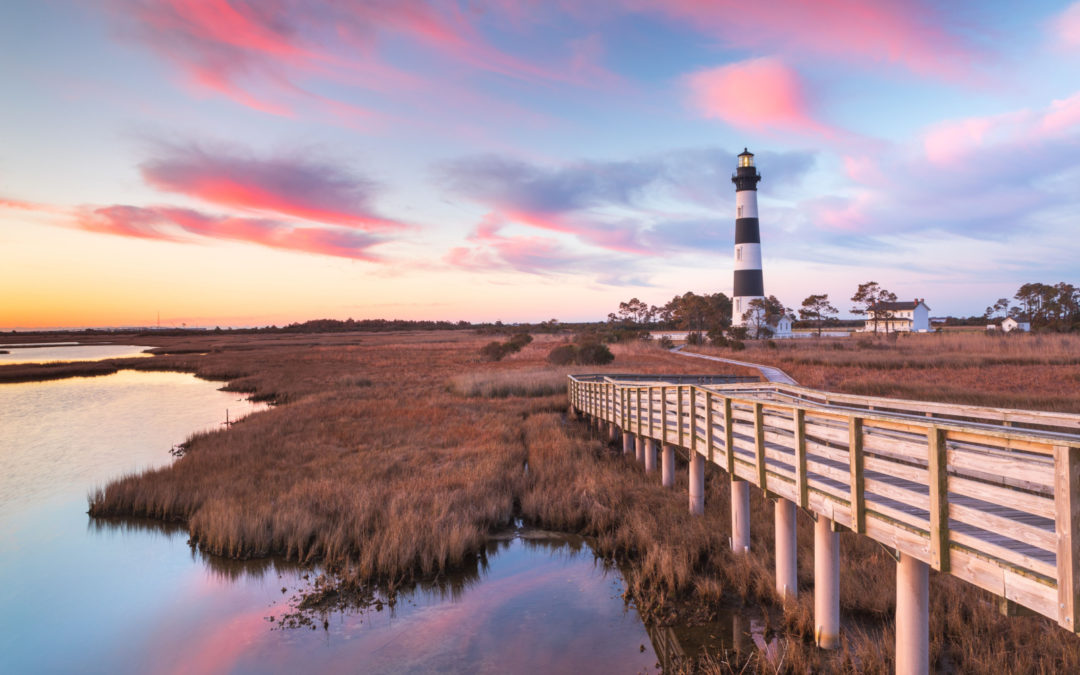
239 163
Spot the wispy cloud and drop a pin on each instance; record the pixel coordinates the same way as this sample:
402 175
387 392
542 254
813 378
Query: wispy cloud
914 35
273 56
297 203
1066 26
172 224
642 206
490 249
988 176
294 187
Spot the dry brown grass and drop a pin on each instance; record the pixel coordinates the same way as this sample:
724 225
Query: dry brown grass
380 471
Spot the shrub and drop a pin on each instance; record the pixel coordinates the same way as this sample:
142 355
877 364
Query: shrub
562 355
737 345
493 351
694 338
594 354
666 343
516 343
717 338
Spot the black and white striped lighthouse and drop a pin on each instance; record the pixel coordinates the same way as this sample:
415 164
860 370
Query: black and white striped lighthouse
748 281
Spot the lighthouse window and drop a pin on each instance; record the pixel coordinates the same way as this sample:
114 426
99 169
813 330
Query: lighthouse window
740 211
738 252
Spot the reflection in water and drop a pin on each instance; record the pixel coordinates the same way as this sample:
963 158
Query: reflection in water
739 633
131 595
69 352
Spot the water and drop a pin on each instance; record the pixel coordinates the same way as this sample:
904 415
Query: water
61 351
89 596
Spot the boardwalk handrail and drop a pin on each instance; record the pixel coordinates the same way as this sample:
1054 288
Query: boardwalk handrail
989 495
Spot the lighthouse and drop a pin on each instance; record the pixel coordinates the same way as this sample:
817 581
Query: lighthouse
748 281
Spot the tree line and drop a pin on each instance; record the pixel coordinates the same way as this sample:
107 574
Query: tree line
1047 307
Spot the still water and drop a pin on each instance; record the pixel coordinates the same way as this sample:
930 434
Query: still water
49 352
79 595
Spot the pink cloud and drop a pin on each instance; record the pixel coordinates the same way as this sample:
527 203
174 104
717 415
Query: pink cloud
908 33
19 205
258 53
490 249
293 187
1067 26
170 223
1062 116
760 94
954 141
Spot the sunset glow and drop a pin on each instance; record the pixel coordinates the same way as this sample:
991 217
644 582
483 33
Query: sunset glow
242 163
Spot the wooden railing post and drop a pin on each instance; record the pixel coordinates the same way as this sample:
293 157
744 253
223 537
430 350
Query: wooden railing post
638 411
1067 517
679 414
626 400
855 455
939 499
663 414
801 487
650 411
693 420
729 437
708 425
759 444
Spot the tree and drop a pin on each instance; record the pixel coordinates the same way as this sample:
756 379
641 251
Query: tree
1054 307
635 311
762 314
691 311
871 301
817 308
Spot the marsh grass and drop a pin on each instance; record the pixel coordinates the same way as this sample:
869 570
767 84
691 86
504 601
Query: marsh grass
539 382
406 479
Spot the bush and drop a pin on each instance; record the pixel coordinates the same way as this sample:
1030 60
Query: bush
562 355
737 345
589 354
493 351
594 354
717 338
516 343
666 343
694 338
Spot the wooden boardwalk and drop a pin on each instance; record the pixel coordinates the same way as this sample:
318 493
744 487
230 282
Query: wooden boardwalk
989 495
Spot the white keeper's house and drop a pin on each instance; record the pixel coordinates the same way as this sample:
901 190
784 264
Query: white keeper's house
899 317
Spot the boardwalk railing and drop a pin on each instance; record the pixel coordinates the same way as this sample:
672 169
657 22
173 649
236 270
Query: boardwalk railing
988 495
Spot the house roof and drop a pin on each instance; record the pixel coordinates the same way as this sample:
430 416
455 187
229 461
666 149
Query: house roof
894 306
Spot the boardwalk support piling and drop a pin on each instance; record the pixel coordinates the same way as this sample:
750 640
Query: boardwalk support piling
628 443
826 584
697 484
668 467
912 616
787 577
650 455
740 515
639 449
612 432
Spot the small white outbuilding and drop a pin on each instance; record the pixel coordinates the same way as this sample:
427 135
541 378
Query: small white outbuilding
1010 324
